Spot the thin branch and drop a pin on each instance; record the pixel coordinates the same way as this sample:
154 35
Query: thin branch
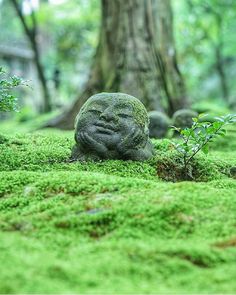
27 29
201 146
34 20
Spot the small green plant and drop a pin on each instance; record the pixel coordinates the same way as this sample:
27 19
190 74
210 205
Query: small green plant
198 137
8 101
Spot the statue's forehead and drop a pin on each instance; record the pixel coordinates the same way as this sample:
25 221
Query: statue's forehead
110 102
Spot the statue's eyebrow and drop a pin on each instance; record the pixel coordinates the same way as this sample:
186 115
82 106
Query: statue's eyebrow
98 104
124 107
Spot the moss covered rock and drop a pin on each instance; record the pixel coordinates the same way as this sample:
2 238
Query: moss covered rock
112 126
159 124
183 118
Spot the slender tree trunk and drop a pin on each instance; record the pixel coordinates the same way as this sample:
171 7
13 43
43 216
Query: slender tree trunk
219 48
31 33
221 73
47 107
136 55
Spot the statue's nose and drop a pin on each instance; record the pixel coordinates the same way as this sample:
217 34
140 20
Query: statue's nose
107 115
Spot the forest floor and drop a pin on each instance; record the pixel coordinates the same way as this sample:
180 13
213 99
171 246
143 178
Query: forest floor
113 226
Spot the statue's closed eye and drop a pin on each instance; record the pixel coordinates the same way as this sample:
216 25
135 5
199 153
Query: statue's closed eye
123 115
94 111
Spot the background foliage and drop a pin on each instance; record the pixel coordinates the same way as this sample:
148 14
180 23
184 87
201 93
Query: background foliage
204 33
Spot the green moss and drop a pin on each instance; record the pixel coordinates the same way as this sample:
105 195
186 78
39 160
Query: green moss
140 114
3 139
84 232
50 152
170 167
43 152
114 226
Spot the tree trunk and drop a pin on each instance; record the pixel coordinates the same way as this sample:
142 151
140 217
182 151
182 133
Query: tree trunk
47 107
219 49
31 34
221 73
135 55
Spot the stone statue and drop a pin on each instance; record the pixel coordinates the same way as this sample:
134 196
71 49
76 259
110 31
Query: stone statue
159 124
112 126
184 118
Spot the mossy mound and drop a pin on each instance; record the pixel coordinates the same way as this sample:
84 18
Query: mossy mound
170 168
114 226
3 139
46 152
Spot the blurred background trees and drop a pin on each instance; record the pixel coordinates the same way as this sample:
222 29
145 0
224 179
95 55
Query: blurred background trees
135 55
30 26
205 40
128 48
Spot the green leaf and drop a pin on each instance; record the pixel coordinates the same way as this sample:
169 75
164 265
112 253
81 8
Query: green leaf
205 149
200 116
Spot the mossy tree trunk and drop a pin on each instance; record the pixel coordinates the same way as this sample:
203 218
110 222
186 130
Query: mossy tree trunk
136 55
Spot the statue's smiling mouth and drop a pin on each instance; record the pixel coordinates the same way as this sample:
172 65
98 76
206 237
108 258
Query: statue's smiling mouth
105 127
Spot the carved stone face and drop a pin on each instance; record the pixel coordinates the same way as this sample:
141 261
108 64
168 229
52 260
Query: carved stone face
184 118
112 122
108 121
159 124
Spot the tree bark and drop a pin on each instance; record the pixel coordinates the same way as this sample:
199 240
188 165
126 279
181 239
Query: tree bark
136 55
219 49
31 34
221 73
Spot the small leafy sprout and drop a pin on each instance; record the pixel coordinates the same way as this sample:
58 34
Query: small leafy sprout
7 84
198 137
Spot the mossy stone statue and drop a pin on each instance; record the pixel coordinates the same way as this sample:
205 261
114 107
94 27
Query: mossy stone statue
112 126
159 124
184 118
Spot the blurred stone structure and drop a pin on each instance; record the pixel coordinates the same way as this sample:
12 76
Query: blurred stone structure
183 118
159 124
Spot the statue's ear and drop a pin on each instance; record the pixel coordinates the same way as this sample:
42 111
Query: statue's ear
76 121
146 130
76 136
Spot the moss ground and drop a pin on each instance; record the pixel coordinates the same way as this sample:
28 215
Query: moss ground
113 227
